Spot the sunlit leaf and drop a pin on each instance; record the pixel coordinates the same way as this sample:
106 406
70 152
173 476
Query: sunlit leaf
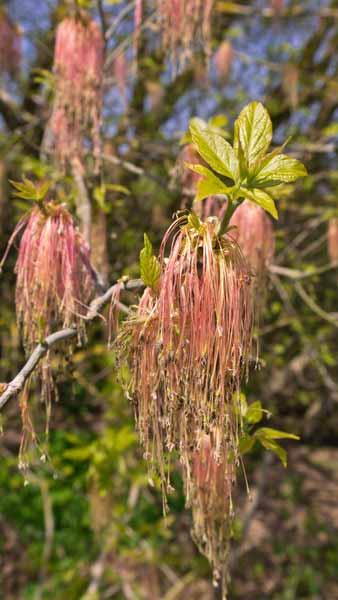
280 169
276 448
275 434
261 198
253 131
210 185
215 150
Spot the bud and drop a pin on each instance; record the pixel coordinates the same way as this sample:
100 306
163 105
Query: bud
78 67
223 60
332 240
10 46
254 233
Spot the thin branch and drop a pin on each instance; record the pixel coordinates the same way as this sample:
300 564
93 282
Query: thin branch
17 384
314 306
235 8
115 160
297 275
113 27
102 18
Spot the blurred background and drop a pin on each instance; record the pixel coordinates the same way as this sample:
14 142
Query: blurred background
86 524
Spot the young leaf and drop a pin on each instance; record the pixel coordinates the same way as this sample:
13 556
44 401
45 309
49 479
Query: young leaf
246 443
254 413
27 190
253 131
261 198
276 448
215 150
279 169
194 221
275 434
150 267
210 184
263 161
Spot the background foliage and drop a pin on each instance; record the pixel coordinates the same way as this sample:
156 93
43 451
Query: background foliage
86 524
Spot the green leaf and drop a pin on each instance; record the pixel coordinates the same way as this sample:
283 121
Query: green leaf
279 169
276 448
150 267
210 185
194 221
246 443
253 132
218 121
261 198
254 413
275 434
28 190
215 150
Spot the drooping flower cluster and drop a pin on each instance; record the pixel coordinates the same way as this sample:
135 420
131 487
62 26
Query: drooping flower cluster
54 277
184 24
209 480
78 68
332 240
188 346
10 51
254 233
55 282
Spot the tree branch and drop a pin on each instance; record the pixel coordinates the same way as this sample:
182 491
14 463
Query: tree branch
296 275
17 384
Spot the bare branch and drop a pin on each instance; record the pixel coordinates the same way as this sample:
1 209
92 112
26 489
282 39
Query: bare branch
296 275
17 384
115 160
314 306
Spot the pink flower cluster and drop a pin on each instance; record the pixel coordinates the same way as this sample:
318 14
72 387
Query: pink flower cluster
184 24
78 68
188 347
54 277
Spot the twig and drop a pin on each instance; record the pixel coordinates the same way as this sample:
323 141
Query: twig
252 505
314 306
235 8
17 384
297 275
115 160
102 18
97 571
113 27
